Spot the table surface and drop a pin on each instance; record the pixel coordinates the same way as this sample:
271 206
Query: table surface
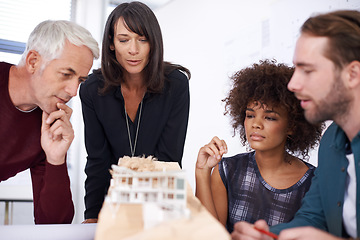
48 232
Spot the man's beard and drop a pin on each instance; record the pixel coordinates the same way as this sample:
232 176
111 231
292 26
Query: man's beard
334 106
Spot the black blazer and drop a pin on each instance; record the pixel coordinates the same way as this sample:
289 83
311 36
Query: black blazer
162 130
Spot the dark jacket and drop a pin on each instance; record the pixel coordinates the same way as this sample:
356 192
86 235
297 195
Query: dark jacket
162 130
322 206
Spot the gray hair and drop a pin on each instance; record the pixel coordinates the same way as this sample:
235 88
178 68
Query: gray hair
49 37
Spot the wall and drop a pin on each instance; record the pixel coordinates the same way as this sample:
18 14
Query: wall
214 39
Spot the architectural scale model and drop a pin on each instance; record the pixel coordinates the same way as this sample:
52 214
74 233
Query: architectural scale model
161 192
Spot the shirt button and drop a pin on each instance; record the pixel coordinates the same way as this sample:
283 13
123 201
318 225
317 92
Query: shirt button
343 169
339 204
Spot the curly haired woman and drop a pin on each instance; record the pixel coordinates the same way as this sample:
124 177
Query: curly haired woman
269 181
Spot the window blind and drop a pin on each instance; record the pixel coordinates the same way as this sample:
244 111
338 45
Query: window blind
18 18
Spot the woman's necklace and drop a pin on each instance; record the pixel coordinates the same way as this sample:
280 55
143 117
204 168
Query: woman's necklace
137 129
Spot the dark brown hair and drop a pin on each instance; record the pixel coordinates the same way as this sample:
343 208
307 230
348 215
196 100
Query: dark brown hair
266 84
141 20
343 31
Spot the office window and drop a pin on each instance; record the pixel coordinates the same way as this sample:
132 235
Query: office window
18 18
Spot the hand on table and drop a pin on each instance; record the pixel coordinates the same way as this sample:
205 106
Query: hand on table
90 220
247 231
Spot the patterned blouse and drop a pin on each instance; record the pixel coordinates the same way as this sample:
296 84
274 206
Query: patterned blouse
251 198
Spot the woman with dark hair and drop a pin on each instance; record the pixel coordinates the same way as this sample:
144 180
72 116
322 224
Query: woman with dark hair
269 181
135 105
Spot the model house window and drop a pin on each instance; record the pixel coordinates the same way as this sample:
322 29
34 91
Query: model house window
180 196
171 183
155 182
180 183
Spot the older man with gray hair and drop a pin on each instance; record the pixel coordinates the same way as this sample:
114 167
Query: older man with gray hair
35 127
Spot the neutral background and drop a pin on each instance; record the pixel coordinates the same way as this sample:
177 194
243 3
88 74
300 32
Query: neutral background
213 39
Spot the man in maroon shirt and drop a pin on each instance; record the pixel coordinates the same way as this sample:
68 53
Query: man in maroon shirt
35 126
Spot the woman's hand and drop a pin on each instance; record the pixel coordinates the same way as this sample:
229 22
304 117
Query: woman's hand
208 157
210 154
